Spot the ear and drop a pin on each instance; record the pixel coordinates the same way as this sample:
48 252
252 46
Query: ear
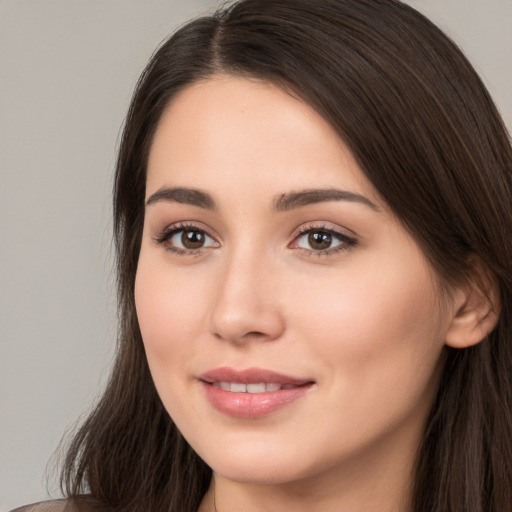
476 308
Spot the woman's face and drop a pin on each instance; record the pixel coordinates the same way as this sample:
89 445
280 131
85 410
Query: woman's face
291 324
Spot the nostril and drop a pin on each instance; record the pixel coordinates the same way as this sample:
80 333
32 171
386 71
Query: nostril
250 335
255 334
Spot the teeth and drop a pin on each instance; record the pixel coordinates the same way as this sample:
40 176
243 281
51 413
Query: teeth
256 388
261 387
238 387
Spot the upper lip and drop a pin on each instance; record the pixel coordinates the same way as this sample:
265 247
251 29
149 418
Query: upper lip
250 376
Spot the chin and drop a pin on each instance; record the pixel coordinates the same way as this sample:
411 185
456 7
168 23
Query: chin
258 474
263 464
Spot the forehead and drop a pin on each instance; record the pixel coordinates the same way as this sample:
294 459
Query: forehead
251 133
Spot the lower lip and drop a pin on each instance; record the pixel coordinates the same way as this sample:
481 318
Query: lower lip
252 405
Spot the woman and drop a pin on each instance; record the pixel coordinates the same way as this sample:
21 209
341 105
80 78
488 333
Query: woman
313 224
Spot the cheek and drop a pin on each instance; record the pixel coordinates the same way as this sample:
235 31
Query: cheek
377 328
169 310
379 342
368 307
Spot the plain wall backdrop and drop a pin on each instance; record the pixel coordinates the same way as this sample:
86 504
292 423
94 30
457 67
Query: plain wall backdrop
67 70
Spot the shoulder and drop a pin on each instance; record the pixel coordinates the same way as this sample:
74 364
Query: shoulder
62 505
46 506
82 503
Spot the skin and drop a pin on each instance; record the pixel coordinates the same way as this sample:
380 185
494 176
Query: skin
365 323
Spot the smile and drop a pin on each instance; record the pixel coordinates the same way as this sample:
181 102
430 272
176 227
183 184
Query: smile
251 393
261 387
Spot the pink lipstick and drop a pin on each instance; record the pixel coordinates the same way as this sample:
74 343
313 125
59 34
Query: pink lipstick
253 392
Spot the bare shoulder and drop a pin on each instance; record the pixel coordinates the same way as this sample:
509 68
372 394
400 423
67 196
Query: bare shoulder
47 506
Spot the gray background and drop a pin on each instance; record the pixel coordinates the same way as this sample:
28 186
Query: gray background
67 70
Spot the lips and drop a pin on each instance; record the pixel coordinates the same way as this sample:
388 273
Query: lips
253 392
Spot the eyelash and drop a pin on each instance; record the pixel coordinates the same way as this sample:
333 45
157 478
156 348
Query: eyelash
346 242
169 231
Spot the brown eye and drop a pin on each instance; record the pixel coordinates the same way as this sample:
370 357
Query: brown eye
319 240
184 240
323 241
192 239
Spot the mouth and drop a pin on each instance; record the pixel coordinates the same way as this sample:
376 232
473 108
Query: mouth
260 387
252 393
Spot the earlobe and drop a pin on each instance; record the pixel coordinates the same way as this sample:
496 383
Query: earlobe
476 308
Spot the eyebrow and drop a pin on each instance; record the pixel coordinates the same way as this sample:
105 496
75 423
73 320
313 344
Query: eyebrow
293 200
283 203
183 195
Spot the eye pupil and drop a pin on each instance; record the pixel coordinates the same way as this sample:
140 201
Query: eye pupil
192 239
320 240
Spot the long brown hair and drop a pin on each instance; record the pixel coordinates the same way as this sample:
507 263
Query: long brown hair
427 135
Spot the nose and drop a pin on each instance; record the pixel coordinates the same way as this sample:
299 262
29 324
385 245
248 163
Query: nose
246 305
